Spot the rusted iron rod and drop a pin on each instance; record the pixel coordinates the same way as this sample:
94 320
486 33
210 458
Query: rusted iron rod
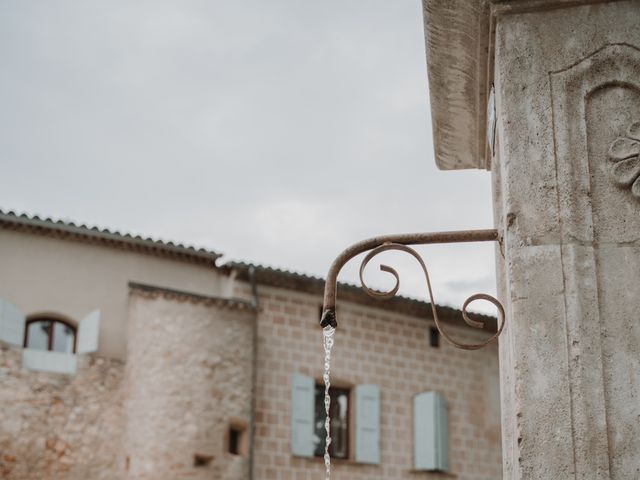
329 304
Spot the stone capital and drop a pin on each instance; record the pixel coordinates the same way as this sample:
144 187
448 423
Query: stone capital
459 38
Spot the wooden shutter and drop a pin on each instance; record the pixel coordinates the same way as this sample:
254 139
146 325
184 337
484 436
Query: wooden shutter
12 324
88 331
302 415
431 432
367 441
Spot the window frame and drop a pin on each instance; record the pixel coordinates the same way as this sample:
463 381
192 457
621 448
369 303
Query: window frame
339 388
52 321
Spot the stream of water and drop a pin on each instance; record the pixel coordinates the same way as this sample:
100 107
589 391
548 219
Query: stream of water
327 341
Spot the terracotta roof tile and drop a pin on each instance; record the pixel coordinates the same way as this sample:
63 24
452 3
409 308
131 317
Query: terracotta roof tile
63 229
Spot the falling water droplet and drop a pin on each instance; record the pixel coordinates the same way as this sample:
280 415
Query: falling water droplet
327 341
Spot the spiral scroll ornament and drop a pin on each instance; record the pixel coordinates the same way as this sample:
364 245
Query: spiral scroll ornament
392 292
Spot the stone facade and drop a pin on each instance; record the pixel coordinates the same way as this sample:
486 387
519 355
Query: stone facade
386 349
60 427
189 377
199 368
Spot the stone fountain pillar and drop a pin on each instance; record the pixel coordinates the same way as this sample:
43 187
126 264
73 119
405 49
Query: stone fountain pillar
563 147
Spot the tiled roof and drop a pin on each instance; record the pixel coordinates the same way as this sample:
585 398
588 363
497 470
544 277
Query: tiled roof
57 228
264 275
275 277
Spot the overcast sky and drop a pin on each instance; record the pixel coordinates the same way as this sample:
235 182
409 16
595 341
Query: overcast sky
276 132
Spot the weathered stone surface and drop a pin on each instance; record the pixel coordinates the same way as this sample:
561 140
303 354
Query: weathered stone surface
188 376
58 427
460 59
567 86
457 40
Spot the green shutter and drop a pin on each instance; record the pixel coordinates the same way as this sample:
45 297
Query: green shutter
367 424
430 432
11 324
302 415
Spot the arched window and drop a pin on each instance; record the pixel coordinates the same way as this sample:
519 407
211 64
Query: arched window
54 334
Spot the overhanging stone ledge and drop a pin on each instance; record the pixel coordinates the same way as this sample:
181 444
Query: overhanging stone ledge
459 48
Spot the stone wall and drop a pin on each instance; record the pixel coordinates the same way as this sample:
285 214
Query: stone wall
188 377
55 426
387 349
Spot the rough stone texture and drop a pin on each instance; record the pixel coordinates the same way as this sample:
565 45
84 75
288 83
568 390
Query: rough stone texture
567 85
456 35
459 47
392 351
56 426
188 375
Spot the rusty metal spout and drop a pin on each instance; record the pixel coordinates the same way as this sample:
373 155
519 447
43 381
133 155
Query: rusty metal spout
400 242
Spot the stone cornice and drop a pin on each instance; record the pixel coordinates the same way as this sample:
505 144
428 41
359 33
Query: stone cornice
459 46
154 291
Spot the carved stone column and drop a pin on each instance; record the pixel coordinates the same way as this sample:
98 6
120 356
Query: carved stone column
566 168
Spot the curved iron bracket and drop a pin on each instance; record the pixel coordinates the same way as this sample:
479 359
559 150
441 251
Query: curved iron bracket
401 242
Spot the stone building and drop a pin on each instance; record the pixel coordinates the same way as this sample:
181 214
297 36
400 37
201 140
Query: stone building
129 358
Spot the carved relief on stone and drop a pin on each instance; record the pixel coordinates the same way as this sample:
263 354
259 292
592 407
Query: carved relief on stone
624 160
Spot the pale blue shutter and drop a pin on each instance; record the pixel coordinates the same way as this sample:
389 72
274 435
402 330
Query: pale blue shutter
442 426
302 415
46 361
88 330
430 432
11 324
367 423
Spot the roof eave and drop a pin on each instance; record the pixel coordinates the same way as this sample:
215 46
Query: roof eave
167 249
457 36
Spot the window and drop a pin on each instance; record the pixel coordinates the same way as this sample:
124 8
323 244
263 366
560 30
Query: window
199 460
50 334
434 337
50 344
234 441
237 441
339 412
355 420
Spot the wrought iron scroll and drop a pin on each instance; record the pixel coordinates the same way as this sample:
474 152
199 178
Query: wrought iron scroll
377 245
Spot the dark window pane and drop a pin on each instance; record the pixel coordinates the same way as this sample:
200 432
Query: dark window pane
234 441
339 412
434 337
63 336
38 335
